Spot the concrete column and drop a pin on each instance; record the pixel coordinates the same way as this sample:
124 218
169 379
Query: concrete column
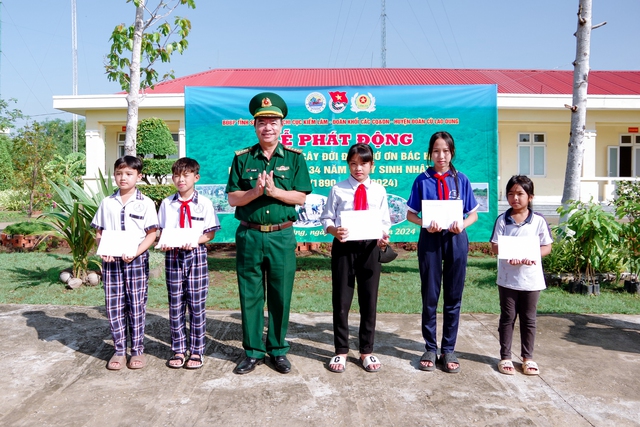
182 144
95 156
589 189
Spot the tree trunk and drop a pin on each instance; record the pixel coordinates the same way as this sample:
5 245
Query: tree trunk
579 104
133 97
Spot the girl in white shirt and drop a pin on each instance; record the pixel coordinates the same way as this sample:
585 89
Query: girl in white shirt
355 260
520 280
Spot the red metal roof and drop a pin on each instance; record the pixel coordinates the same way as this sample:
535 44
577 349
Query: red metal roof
508 81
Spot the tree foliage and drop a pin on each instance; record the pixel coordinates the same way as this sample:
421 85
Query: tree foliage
154 138
62 134
61 168
6 171
32 150
150 39
8 116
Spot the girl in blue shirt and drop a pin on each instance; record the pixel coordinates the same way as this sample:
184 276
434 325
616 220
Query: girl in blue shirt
442 254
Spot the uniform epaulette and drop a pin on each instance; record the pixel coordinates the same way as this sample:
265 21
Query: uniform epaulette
295 150
243 151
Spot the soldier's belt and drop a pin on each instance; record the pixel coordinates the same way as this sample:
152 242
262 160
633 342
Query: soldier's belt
267 228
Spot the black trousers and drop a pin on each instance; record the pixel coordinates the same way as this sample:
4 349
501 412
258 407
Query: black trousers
522 304
351 262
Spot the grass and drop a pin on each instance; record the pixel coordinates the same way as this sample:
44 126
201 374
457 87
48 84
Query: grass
13 216
32 278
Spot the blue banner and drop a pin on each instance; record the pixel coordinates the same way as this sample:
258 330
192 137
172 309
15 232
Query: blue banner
324 121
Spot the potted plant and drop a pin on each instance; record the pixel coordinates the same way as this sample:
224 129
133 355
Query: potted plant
593 234
627 205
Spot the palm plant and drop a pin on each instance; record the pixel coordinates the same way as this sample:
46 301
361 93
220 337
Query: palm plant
72 219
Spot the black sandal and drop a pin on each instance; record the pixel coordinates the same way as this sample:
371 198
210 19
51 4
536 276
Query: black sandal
176 357
195 358
428 356
447 358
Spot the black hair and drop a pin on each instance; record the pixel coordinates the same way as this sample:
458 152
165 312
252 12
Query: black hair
128 162
524 182
185 164
364 151
448 139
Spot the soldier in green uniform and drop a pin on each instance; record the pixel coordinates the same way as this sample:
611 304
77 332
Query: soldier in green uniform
266 181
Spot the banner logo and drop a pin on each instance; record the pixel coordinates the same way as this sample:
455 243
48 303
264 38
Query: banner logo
363 102
315 102
338 102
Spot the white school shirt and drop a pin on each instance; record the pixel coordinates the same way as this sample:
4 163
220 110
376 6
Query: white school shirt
341 199
521 277
136 217
203 214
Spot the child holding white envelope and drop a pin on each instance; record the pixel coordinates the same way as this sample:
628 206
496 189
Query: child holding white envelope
192 221
357 216
520 238
126 224
442 247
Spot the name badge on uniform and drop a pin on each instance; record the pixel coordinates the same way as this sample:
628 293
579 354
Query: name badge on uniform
251 170
282 168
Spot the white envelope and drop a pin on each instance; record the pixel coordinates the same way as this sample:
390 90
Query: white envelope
443 212
178 237
362 225
117 243
519 247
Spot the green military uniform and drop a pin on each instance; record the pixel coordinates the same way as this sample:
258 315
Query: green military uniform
266 255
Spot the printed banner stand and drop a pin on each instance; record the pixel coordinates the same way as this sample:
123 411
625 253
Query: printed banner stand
324 121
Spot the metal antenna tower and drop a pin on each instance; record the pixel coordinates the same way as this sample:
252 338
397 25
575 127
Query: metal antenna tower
383 41
74 54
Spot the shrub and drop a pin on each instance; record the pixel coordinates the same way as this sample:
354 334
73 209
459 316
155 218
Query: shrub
592 234
481 248
29 227
154 138
6 171
157 193
14 200
628 207
76 210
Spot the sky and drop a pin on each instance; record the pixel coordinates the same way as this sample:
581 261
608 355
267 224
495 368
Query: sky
36 47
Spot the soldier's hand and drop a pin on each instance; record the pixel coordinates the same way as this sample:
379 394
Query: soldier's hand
260 183
270 185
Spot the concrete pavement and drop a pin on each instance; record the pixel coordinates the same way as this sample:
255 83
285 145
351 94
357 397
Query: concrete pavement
54 375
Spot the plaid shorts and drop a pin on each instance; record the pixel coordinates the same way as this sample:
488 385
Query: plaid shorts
187 277
125 292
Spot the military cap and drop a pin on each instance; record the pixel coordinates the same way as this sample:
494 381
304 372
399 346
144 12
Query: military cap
268 104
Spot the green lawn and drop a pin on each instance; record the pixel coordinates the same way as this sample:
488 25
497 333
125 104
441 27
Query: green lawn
32 278
13 216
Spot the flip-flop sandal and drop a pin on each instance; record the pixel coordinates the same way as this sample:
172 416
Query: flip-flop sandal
173 365
193 358
338 360
503 364
120 360
139 358
530 364
428 356
447 358
371 360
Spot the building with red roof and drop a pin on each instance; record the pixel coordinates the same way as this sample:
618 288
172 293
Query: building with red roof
533 118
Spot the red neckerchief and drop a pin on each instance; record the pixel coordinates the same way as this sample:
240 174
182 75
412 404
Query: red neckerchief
360 199
444 188
185 212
